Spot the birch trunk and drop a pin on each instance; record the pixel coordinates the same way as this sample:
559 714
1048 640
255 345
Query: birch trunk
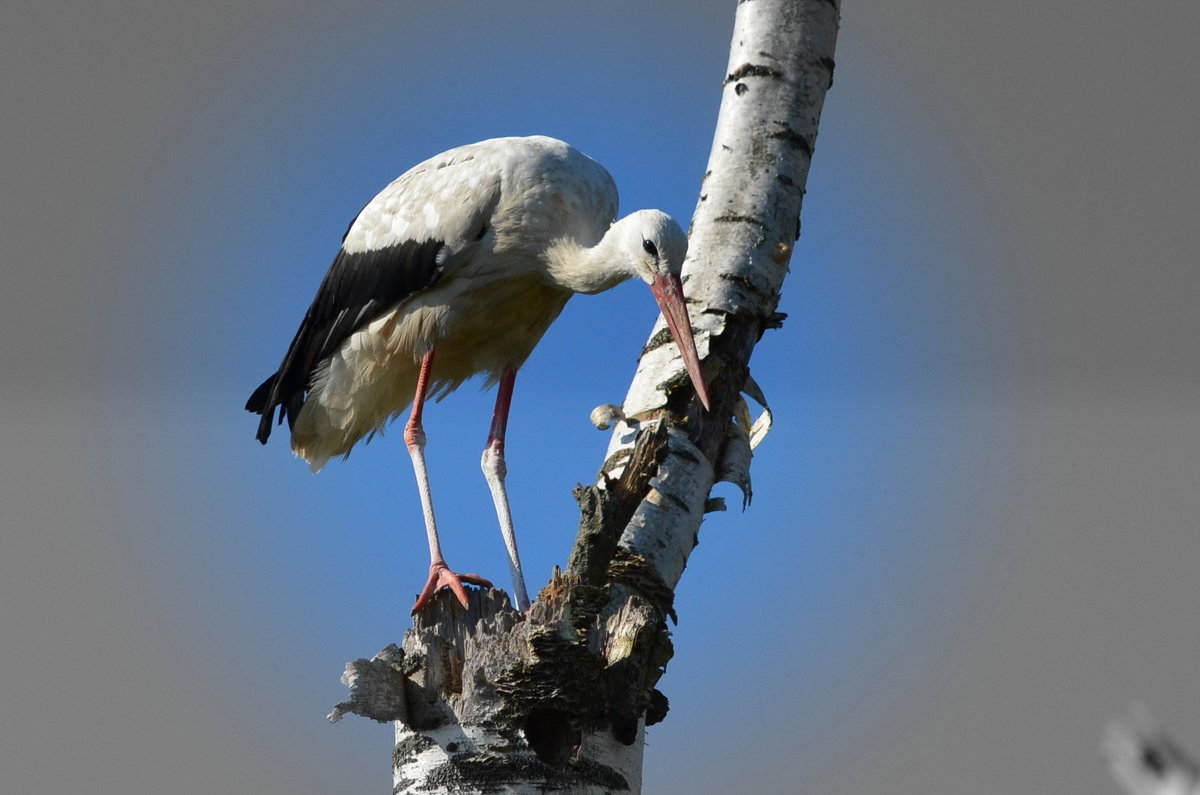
488 700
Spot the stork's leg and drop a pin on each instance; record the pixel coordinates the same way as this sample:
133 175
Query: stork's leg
494 469
414 437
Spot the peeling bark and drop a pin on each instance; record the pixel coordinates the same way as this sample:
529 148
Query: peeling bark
557 700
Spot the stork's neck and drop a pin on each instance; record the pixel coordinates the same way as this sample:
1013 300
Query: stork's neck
594 269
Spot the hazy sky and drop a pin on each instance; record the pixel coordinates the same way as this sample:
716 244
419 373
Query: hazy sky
974 533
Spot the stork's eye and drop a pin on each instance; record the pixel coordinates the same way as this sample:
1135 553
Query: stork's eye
650 248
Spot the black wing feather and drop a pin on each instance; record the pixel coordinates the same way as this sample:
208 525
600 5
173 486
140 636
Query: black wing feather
358 288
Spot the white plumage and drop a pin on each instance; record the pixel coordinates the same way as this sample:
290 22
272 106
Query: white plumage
471 255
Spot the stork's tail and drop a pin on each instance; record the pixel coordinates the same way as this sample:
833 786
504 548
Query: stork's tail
260 403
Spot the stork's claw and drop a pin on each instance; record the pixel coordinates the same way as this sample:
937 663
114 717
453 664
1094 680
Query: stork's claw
440 577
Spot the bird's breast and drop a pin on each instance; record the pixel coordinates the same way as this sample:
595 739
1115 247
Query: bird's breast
494 326
476 324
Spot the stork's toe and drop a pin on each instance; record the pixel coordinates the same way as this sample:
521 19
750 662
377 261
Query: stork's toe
440 577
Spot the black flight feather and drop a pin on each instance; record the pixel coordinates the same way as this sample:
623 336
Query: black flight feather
358 288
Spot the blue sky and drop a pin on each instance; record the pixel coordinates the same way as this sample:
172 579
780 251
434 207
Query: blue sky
292 142
973 523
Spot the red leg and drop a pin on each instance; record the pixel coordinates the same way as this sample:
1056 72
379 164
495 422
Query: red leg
414 437
494 469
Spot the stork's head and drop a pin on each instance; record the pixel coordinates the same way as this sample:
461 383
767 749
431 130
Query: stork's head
657 246
647 244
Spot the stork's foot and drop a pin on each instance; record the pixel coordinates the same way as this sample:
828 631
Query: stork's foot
440 577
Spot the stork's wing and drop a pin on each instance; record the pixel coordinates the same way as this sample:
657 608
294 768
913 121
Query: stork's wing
424 223
429 221
359 287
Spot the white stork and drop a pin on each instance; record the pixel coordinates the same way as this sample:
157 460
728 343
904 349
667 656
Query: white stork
466 258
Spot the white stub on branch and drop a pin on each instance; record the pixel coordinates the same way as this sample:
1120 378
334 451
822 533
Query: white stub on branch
604 415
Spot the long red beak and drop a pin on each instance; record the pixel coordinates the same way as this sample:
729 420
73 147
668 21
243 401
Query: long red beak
668 291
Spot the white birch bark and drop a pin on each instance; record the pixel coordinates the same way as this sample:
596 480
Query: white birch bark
740 244
557 700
